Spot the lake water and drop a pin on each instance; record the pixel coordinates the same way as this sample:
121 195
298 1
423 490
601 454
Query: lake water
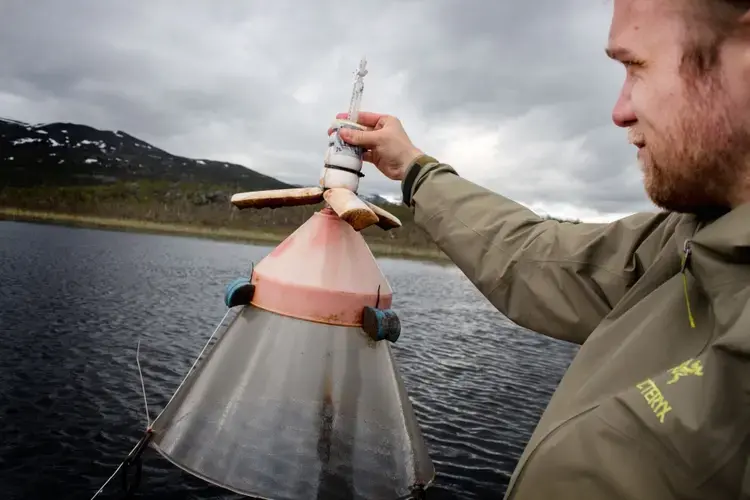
73 303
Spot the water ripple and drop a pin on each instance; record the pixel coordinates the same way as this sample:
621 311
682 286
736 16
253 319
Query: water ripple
74 302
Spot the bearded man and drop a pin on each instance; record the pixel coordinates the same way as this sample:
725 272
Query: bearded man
656 404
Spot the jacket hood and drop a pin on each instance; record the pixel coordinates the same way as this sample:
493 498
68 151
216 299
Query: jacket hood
719 262
715 246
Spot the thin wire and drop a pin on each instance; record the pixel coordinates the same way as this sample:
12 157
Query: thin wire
170 399
194 363
114 473
143 386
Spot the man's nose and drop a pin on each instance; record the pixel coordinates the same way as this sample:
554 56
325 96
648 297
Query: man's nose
623 114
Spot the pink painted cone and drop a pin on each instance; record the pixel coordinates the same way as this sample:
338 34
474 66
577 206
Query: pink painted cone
295 400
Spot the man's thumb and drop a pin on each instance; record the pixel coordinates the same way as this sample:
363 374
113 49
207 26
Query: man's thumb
357 137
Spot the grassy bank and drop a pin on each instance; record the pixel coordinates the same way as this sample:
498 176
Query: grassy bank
194 209
257 236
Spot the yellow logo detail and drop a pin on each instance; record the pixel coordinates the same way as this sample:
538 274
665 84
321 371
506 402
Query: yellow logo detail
655 399
689 367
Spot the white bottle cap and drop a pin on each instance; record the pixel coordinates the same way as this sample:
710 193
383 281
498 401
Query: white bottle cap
346 157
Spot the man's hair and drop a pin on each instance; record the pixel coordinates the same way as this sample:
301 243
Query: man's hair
709 23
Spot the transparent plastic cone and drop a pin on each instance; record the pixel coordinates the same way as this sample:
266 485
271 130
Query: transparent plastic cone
286 408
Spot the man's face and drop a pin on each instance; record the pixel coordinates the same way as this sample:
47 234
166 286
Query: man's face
692 130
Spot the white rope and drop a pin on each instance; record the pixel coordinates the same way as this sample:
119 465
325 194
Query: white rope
170 399
143 386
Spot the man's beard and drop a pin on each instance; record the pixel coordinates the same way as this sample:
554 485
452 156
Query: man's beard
699 163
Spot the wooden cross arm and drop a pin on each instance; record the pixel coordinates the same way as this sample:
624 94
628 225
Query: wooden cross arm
348 206
276 198
357 212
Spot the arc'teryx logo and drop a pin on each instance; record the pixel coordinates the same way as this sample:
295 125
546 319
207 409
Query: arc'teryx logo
689 367
655 399
653 395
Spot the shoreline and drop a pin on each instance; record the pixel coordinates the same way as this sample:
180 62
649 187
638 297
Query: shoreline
257 236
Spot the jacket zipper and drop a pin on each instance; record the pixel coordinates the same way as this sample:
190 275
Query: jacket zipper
687 252
510 494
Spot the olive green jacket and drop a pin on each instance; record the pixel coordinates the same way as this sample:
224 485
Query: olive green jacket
656 404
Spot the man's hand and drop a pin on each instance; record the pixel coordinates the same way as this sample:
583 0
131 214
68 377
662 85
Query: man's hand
386 144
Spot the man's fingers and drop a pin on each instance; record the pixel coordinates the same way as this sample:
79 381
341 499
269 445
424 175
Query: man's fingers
330 130
365 138
369 119
355 137
364 118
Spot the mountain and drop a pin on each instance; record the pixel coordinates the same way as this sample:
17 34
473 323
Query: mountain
56 154
377 199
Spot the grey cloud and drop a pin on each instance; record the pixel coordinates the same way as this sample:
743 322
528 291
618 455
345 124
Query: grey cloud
505 57
507 60
218 79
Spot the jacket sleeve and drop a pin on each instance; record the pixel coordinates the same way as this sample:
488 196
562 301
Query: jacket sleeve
556 278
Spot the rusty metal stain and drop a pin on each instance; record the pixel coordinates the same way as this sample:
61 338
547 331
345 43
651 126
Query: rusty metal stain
332 319
325 416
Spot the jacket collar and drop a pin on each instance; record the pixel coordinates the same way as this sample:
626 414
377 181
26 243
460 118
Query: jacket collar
718 248
718 259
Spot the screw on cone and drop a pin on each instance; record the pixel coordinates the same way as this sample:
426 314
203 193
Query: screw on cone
299 398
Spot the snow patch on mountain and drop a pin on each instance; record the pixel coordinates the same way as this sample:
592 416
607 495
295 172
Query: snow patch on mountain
24 140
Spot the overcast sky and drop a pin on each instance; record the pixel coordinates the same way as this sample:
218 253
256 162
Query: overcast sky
516 95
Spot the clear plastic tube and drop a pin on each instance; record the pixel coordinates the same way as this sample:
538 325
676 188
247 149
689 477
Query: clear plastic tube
359 86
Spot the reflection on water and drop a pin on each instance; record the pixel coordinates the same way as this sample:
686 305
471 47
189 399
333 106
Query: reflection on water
73 303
